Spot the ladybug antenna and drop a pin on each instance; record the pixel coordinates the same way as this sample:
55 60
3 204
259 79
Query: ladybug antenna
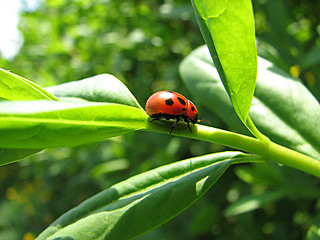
204 120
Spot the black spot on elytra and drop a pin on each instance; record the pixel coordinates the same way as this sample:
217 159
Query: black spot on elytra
169 102
184 109
192 108
183 102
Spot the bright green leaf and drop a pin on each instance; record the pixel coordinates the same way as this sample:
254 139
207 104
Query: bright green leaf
100 88
283 108
228 29
25 117
143 202
313 233
16 88
45 124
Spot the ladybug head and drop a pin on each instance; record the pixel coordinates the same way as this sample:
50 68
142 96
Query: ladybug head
195 120
192 112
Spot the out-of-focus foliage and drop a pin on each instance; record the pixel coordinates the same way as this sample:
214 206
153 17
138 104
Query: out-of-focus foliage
289 36
142 43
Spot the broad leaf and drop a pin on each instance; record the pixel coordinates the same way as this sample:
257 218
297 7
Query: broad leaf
21 119
46 124
143 202
283 108
100 88
228 29
15 88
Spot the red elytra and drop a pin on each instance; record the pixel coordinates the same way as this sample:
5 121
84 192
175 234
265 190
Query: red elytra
171 105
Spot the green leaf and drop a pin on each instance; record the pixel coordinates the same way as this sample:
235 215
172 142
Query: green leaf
313 233
143 202
228 29
277 178
16 88
46 124
253 202
99 88
314 230
8 155
110 166
311 59
22 120
283 108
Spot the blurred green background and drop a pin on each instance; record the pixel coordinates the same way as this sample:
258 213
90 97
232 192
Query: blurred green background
142 43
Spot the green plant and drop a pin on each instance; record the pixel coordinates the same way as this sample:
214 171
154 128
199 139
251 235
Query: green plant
100 107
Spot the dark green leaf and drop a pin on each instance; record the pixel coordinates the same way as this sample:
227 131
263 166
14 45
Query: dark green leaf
8 155
283 108
253 202
273 177
143 202
311 59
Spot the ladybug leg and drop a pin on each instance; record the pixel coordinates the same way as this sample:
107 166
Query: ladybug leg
178 119
156 117
187 121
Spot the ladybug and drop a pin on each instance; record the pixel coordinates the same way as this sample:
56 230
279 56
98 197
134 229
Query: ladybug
171 105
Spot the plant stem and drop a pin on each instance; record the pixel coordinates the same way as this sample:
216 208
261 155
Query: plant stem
254 130
266 149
